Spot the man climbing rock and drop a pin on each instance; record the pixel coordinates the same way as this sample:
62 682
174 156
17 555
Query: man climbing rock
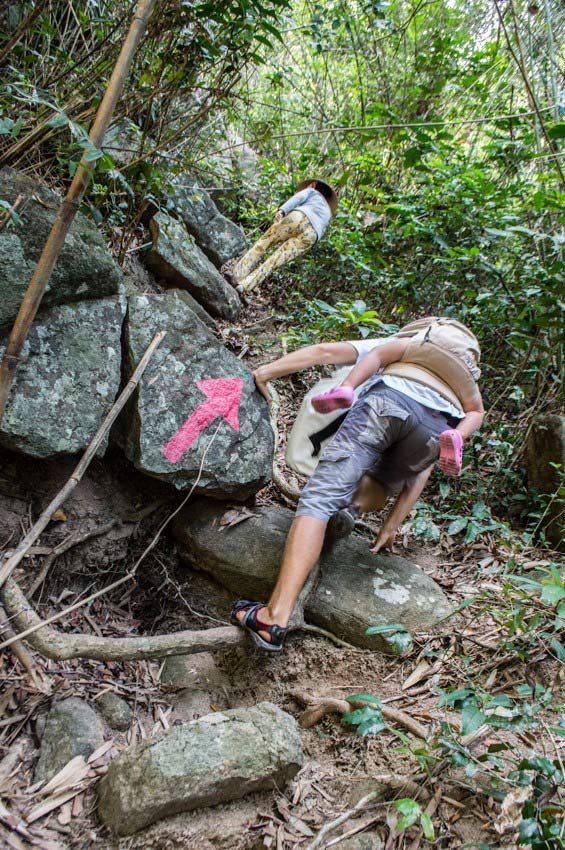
419 402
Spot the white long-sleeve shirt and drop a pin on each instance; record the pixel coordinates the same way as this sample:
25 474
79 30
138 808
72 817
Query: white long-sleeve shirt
314 206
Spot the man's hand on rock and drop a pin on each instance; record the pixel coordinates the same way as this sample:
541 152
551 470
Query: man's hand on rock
261 385
384 539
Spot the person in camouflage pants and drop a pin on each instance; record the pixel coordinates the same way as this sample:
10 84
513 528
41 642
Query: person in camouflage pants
298 225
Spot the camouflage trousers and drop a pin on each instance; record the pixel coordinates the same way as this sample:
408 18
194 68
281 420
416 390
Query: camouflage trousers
294 234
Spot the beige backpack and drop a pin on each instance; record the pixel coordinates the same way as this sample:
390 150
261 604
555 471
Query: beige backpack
443 354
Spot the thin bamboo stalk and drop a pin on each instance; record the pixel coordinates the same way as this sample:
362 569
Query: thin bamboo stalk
70 205
12 562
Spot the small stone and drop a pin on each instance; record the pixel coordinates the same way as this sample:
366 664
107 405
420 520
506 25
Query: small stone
72 728
191 703
115 711
198 670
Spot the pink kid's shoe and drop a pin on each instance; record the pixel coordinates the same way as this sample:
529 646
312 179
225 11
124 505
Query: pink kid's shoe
451 452
336 399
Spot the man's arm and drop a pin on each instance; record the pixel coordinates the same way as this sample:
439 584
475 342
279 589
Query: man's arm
400 510
474 415
323 354
375 360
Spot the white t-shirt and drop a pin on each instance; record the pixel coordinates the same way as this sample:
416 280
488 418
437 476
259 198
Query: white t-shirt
414 390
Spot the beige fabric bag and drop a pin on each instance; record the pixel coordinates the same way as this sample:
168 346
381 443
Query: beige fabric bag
443 354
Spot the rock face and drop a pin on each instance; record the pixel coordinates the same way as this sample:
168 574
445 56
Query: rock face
219 238
192 389
177 260
123 142
221 757
84 270
67 379
72 729
546 446
356 588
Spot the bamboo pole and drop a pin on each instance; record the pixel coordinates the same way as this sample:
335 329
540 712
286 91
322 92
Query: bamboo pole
12 562
70 205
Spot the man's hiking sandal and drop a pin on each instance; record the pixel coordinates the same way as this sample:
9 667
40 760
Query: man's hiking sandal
342 523
336 399
451 452
254 625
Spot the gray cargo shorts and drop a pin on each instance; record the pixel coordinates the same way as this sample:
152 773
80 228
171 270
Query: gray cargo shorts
386 435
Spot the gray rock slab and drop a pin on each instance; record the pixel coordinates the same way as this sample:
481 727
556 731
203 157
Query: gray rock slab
356 589
220 757
216 235
72 728
176 259
123 142
239 460
85 269
67 378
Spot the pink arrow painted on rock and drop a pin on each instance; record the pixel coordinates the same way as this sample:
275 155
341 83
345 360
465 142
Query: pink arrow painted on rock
223 396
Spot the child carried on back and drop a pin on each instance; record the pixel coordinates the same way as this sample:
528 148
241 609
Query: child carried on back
440 355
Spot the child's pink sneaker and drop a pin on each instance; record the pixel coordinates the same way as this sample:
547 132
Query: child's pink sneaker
336 399
451 452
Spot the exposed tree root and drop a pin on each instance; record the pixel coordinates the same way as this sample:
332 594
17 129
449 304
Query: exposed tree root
60 647
319 706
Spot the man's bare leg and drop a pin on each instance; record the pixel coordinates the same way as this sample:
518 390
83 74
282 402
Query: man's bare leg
302 550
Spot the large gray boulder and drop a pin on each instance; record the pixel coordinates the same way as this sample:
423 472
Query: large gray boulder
193 392
72 728
356 588
219 238
67 378
176 259
220 757
85 268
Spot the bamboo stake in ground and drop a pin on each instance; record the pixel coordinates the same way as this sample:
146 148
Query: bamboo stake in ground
12 562
70 205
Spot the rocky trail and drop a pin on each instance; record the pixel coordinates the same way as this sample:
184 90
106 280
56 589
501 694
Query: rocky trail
224 747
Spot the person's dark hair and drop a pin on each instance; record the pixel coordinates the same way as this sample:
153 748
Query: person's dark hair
324 189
